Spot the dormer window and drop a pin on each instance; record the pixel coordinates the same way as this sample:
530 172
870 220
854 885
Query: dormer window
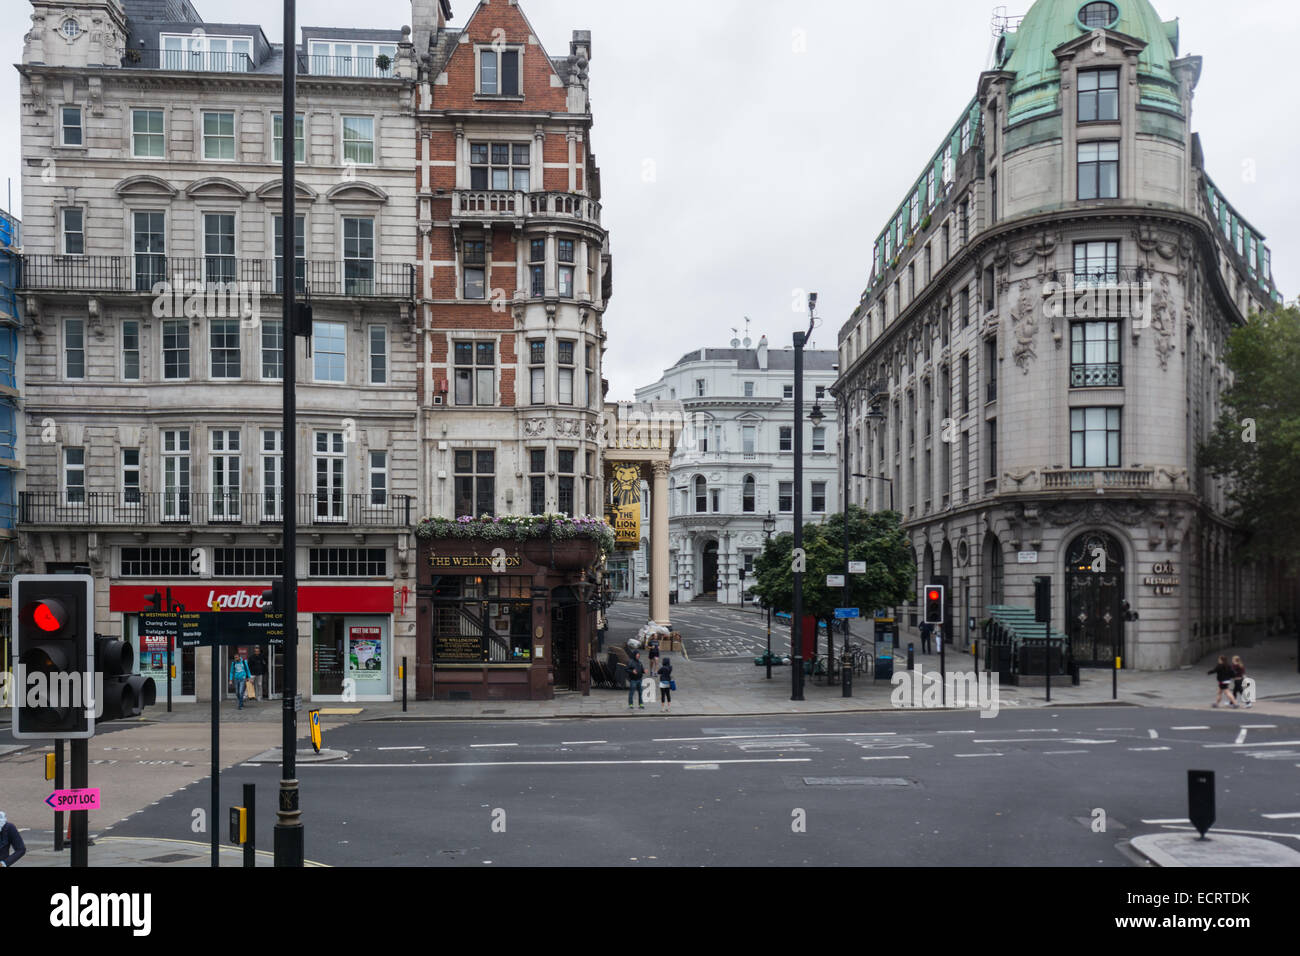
498 72
1098 95
351 59
1098 15
206 53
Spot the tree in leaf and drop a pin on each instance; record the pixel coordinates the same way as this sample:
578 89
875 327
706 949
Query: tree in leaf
1255 444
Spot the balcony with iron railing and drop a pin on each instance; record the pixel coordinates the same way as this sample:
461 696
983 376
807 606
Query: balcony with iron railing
353 278
142 509
1106 375
189 61
489 204
366 67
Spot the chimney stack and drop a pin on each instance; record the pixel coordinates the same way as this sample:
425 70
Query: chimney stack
762 353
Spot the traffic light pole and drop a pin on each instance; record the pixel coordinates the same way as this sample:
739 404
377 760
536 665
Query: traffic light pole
58 785
288 822
214 819
80 818
171 648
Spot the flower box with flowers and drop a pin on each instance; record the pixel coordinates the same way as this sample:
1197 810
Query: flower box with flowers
523 528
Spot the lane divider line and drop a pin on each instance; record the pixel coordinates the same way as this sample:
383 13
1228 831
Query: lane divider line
557 763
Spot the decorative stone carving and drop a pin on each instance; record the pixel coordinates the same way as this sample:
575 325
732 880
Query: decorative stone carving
534 427
1164 322
567 427
1024 319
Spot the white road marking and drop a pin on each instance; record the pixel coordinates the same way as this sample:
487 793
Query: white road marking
568 742
416 747
1047 753
979 755
1241 736
954 731
669 740
1260 726
1280 816
494 745
1114 728
1047 730
1152 734
898 757
1170 820
1192 727
1150 748
1271 743
554 763
700 766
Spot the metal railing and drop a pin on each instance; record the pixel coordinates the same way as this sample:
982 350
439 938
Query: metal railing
313 64
519 204
365 278
197 60
1096 376
150 508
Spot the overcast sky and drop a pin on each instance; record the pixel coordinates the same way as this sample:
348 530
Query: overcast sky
750 149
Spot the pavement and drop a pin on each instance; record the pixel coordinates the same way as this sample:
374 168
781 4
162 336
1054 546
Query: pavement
716 677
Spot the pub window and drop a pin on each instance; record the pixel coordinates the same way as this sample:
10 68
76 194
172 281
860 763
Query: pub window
537 480
475 269
476 373
565 469
500 166
475 483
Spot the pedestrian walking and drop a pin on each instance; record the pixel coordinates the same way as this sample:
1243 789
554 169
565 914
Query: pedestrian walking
1222 672
257 667
635 673
938 638
925 637
239 675
1239 680
666 685
652 652
12 848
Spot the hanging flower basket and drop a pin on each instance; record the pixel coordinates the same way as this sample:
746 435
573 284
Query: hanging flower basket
521 528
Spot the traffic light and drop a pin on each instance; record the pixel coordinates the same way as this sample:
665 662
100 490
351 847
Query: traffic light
1043 599
52 617
934 604
742 574
125 694
153 602
1127 609
273 598
302 319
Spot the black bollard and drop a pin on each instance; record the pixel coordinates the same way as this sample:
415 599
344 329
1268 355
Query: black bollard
403 685
1200 799
910 654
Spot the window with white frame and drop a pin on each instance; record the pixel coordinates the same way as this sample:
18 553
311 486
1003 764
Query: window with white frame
272 472
787 392
219 247
564 254
378 355
176 348
593 390
219 136
224 465
785 496
500 166
72 131
699 387
147 138
299 138
214 54
378 478
565 482
176 474
786 436
131 476
74 476
1094 438
819 439
74 348
74 231
748 388
564 359
359 140
537 371
272 349
498 71
299 253
223 348
329 351
358 255
475 373
474 252
348 58
149 237
130 350
701 494
749 439
747 489
818 496
328 463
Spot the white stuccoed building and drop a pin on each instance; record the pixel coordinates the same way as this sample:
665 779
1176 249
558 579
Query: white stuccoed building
735 463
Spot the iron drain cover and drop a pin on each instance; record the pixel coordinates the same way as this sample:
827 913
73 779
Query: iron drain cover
857 781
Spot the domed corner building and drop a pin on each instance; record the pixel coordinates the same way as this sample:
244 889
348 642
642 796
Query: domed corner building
1041 347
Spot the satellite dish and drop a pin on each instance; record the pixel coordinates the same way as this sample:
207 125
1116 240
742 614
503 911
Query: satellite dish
735 343
748 341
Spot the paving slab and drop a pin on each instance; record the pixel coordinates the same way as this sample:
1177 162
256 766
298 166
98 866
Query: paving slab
1188 849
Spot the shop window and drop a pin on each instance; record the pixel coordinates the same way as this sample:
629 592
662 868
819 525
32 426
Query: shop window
157 563
347 562
247 562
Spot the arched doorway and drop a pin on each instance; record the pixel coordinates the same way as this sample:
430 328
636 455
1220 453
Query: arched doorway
1094 588
709 577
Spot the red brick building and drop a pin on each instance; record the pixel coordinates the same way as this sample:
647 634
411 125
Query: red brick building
514 273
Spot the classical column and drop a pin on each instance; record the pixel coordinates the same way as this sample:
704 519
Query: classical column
659 611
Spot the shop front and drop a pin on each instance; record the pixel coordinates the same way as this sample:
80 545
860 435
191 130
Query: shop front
505 620
349 657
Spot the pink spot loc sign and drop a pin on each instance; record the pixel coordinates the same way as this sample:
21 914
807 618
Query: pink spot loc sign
87 799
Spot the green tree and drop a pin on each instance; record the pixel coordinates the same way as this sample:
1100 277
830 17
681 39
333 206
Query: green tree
1255 444
875 538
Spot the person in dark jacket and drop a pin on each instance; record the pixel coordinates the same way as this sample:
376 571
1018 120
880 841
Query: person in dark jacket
925 637
666 685
12 848
635 672
1238 677
1222 672
257 667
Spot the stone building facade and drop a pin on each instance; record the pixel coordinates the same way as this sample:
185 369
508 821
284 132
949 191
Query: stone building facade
735 463
151 146
1040 346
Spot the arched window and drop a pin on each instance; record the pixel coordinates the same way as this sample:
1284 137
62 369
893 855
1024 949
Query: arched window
747 495
701 494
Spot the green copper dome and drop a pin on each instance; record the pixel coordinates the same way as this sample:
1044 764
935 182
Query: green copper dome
1049 23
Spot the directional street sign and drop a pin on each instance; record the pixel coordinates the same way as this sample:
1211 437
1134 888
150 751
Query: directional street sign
87 799
857 567
835 580
206 628
847 612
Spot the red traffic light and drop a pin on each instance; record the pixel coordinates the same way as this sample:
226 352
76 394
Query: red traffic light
48 615
932 594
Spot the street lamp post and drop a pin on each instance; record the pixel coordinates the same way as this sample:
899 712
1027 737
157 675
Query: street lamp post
769 526
796 637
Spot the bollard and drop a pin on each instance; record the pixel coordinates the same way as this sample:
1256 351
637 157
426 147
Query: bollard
403 675
975 649
910 653
250 843
846 675
1048 669
1200 799
1114 680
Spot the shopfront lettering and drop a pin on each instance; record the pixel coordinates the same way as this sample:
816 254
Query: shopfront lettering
1163 578
470 561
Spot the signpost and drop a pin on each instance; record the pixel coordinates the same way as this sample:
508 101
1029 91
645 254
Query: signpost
835 580
843 612
857 567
